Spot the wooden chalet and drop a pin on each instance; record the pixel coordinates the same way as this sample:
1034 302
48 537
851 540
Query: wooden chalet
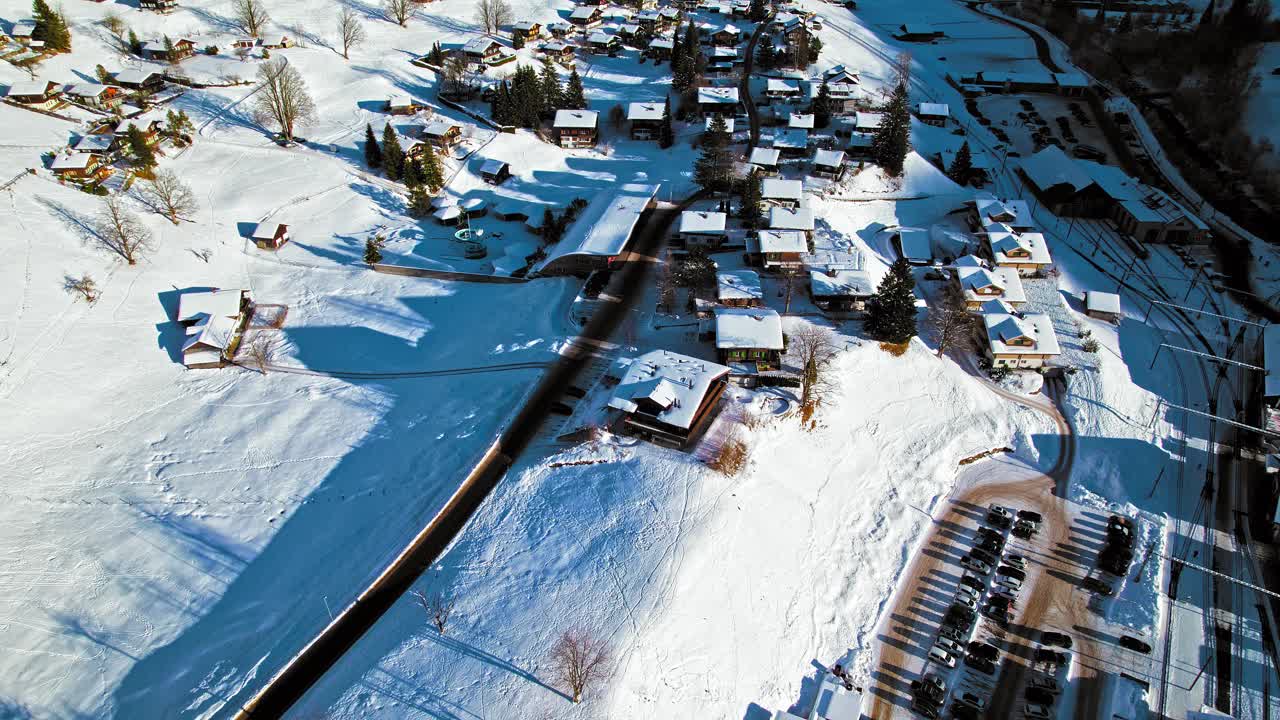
79 166
158 5
495 172
161 50
666 398
482 49
576 128
645 119
526 30
270 235
103 97
33 92
442 134
586 16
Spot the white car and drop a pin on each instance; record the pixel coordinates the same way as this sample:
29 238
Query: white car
966 600
1010 582
966 591
942 657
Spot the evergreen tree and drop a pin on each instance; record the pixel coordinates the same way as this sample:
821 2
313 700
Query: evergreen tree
666 135
713 170
372 251
962 166
139 148
751 209
431 172
1206 20
759 11
891 311
135 45
419 202
372 152
552 92
574 96
692 42
178 127
517 40
50 27
1126 23
767 55
436 55
892 140
392 153
815 48
822 106
103 76
411 174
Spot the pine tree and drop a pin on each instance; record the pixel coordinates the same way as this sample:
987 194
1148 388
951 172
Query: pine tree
822 106
751 209
372 152
552 92
574 96
1206 20
103 76
432 173
759 11
962 166
666 135
767 55
436 55
419 202
135 45
392 153
500 104
517 40
1126 23
143 155
891 311
411 174
526 100
50 27
713 170
372 251
815 48
892 140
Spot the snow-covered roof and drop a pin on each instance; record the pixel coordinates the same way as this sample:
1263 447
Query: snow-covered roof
479 45
22 29
474 204
996 305
439 128
94 143
736 285
700 222
29 88
915 244
835 701
782 241
584 13
663 43
935 109
779 189
782 86
208 303
143 124
1010 248
526 25
267 230
990 208
76 161
861 140
556 46
868 120
492 166
1104 302
730 28
841 283
766 157
1052 167
1271 360
803 121
676 384
605 225
87 90
209 333
1005 331
576 118
447 213
717 95
829 158
783 219
1001 282
1145 203
1071 80
791 138
601 37
748 328
645 110
134 76
399 100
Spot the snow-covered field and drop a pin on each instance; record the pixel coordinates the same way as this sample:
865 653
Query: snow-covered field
171 537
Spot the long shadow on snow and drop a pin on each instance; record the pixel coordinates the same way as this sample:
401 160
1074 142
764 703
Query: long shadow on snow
322 556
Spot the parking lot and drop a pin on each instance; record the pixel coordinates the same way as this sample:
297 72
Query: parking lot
1034 121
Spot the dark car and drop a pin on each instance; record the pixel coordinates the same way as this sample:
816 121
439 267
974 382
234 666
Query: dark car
964 712
986 651
1135 644
1030 516
1056 638
982 665
1093 584
1116 560
1050 656
985 556
973 582
1011 572
1038 696
951 633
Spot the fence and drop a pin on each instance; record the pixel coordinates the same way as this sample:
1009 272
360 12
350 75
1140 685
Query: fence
445 274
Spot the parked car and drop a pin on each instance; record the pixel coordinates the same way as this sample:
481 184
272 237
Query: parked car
1011 572
1046 683
972 581
1039 697
1004 596
968 592
931 685
982 665
994 510
951 632
1023 530
1010 582
925 709
966 601
1055 657
986 651
964 712
1133 643
1088 152
971 700
985 556
975 565
1037 712
949 645
1016 561
1056 638
1094 585
942 657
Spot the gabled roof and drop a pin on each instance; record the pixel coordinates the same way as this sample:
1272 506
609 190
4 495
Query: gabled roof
1031 244
267 230
702 222
439 128
134 76
718 95
935 109
868 120
88 89
208 303
765 157
783 241
585 12
782 85
738 285
791 138
94 143
576 118
76 161
603 228
479 45
493 166
829 158
645 110
800 121
1003 328
1106 302
841 283
601 37
748 328
526 25
30 87
779 189
784 219
676 383
210 332
1052 167
915 244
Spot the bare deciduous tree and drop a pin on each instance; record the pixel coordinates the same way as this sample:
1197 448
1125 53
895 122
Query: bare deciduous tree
282 97
815 348
260 349
438 608
121 231
493 15
349 30
402 11
251 16
169 196
578 659
455 74
84 286
114 24
952 324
